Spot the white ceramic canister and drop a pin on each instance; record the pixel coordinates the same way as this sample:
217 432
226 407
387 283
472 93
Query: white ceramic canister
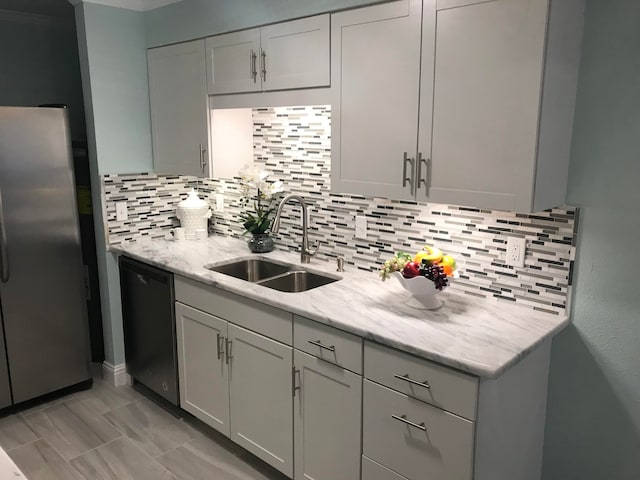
193 213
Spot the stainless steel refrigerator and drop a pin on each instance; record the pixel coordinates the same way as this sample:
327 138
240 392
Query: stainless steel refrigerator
44 343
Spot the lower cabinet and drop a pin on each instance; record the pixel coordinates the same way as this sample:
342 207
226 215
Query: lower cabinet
412 437
202 370
327 420
238 382
317 404
260 396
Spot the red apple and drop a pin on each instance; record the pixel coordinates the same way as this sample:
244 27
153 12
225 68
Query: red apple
410 270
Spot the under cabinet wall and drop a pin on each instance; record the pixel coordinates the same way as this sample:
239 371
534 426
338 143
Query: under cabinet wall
293 145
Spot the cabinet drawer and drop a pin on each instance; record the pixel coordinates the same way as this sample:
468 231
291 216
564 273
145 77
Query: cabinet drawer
269 321
328 343
435 444
432 383
374 471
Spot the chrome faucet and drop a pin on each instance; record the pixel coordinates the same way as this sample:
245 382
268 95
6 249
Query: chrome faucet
305 253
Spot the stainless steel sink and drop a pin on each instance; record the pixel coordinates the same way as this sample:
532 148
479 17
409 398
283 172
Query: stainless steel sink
251 270
282 277
297 281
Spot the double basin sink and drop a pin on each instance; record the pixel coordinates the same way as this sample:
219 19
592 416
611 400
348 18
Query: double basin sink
278 276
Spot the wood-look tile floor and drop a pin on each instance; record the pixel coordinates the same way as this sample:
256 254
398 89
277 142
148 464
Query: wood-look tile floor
117 434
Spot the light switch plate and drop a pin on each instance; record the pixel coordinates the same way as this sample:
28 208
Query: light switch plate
361 226
122 213
219 202
516 251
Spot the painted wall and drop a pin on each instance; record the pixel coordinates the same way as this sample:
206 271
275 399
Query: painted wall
113 62
191 19
39 64
593 423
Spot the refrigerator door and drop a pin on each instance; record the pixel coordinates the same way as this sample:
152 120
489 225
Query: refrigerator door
42 300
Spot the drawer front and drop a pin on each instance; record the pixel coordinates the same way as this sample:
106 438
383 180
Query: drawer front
435 444
374 471
432 383
269 321
328 343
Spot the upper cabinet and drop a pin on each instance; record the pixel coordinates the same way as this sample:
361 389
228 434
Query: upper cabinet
179 110
282 56
466 102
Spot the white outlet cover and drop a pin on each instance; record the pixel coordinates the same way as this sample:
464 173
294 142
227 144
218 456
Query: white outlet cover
361 226
219 202
122 213
516 251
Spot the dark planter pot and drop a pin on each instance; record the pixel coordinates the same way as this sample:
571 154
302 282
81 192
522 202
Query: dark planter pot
260 243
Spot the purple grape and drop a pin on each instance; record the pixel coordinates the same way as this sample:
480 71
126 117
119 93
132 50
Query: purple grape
436 274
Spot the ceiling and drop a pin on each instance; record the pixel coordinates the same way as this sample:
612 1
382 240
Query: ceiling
52 8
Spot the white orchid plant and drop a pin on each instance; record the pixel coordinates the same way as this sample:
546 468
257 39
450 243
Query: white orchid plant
261 204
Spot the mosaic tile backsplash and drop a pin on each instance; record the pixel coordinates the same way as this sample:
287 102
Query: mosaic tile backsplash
294 145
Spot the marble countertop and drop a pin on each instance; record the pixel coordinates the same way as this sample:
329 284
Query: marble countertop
478 336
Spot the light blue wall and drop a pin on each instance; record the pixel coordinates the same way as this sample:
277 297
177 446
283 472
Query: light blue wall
593 422
38 65
191 19
112 48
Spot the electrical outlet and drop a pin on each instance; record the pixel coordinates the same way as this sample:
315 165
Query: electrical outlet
121 211
219 202
516 251
361 226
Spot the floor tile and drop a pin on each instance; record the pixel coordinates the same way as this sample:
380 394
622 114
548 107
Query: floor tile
206 459
39 461
72 428
120 460
103 398
14 432
150 427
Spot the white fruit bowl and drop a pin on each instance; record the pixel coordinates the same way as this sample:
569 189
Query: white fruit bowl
424 295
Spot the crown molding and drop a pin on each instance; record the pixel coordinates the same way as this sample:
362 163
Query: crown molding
137 5
27 18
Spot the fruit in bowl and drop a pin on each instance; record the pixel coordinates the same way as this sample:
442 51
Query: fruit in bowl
430 262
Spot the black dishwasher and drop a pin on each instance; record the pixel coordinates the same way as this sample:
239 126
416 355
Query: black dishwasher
149 327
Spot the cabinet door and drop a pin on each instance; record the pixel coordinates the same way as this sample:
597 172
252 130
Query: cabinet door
233 63
327 420
295 54
261 397
488 73
375 71
178 102
203 372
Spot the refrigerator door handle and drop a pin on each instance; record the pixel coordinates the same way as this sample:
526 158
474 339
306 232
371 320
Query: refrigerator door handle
4 258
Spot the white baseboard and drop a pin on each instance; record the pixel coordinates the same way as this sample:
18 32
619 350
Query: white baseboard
115 375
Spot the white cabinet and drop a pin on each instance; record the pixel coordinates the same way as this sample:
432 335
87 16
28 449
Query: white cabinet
327 401
202 370
261 397
282 56
479 95
233 379
375 69
179 111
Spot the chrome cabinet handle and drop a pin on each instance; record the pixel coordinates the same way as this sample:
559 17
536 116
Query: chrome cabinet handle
228 355
4 257
423 181
406 378
318 343
405 178
263 54
203 162
403 418
219 341
253 71
295 372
